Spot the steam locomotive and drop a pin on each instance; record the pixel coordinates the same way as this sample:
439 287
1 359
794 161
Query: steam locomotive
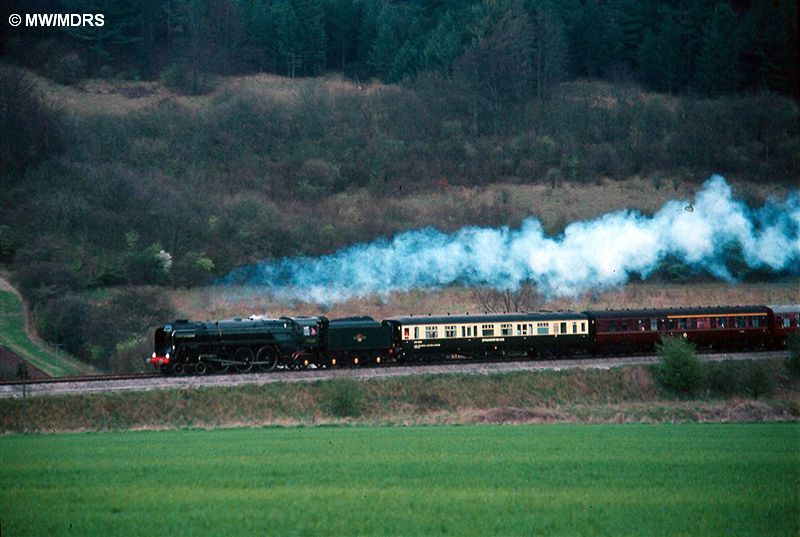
298 342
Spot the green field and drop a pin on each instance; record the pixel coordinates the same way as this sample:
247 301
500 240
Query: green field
13 336
472 480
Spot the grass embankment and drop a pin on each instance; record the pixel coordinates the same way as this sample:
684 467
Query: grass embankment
560 479
618 395
14 337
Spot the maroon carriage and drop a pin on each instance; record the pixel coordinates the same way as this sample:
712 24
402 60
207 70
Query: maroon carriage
724 327
786 321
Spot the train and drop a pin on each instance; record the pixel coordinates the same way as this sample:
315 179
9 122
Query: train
244 345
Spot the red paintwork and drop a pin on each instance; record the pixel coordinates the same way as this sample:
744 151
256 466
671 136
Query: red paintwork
159 360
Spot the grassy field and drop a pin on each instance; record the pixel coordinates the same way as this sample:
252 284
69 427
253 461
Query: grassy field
14 337
476 480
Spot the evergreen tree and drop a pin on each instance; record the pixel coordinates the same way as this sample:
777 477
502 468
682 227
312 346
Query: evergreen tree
342 20
109 43
443 45
770 46
386 44
660 56
716 71
310 35
548 51
498 65
285 26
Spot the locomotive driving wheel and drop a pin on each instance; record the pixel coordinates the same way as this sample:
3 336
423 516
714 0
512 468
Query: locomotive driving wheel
244 358
268 358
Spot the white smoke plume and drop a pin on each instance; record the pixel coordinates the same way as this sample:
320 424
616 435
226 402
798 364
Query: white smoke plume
589 255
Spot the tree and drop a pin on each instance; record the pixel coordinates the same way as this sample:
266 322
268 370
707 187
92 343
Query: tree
386 45
716 72
549 51
498 65
680 370
342 18
661 56
444 44
286 26
770 51
518 300
310 35
33 131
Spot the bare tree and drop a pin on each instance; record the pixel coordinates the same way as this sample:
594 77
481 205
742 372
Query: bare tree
495 301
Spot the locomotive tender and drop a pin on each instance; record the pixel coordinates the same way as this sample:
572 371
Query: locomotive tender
297 342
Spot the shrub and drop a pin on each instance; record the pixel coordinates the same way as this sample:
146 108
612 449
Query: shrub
759 382
725 378
679 370
68 69
317 177
344 399
793 361
181 78
63 321
129 356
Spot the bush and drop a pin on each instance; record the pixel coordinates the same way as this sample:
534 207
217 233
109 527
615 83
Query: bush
344 399
129 356
680 370
793 361
745 378
181 78
759 382
64 321
725 378
68 69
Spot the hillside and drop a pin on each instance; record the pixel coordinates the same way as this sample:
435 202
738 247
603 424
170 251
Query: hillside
133 188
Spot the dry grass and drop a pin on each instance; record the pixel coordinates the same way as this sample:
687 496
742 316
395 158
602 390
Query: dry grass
108 96
237 301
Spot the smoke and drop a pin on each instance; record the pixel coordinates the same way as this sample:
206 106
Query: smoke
710 234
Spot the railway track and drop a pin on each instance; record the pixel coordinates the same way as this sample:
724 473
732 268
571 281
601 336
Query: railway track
155 381
84 378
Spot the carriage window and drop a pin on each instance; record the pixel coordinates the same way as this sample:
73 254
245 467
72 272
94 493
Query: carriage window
505 329
563 328
574 328
787 322
671 324
755 322
720 322
583 327
624 326
487 330
740 322
613 326
431 332
641 325
542 329
449 331
405 333
693 323
522 329
416 332
654 325
682 324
